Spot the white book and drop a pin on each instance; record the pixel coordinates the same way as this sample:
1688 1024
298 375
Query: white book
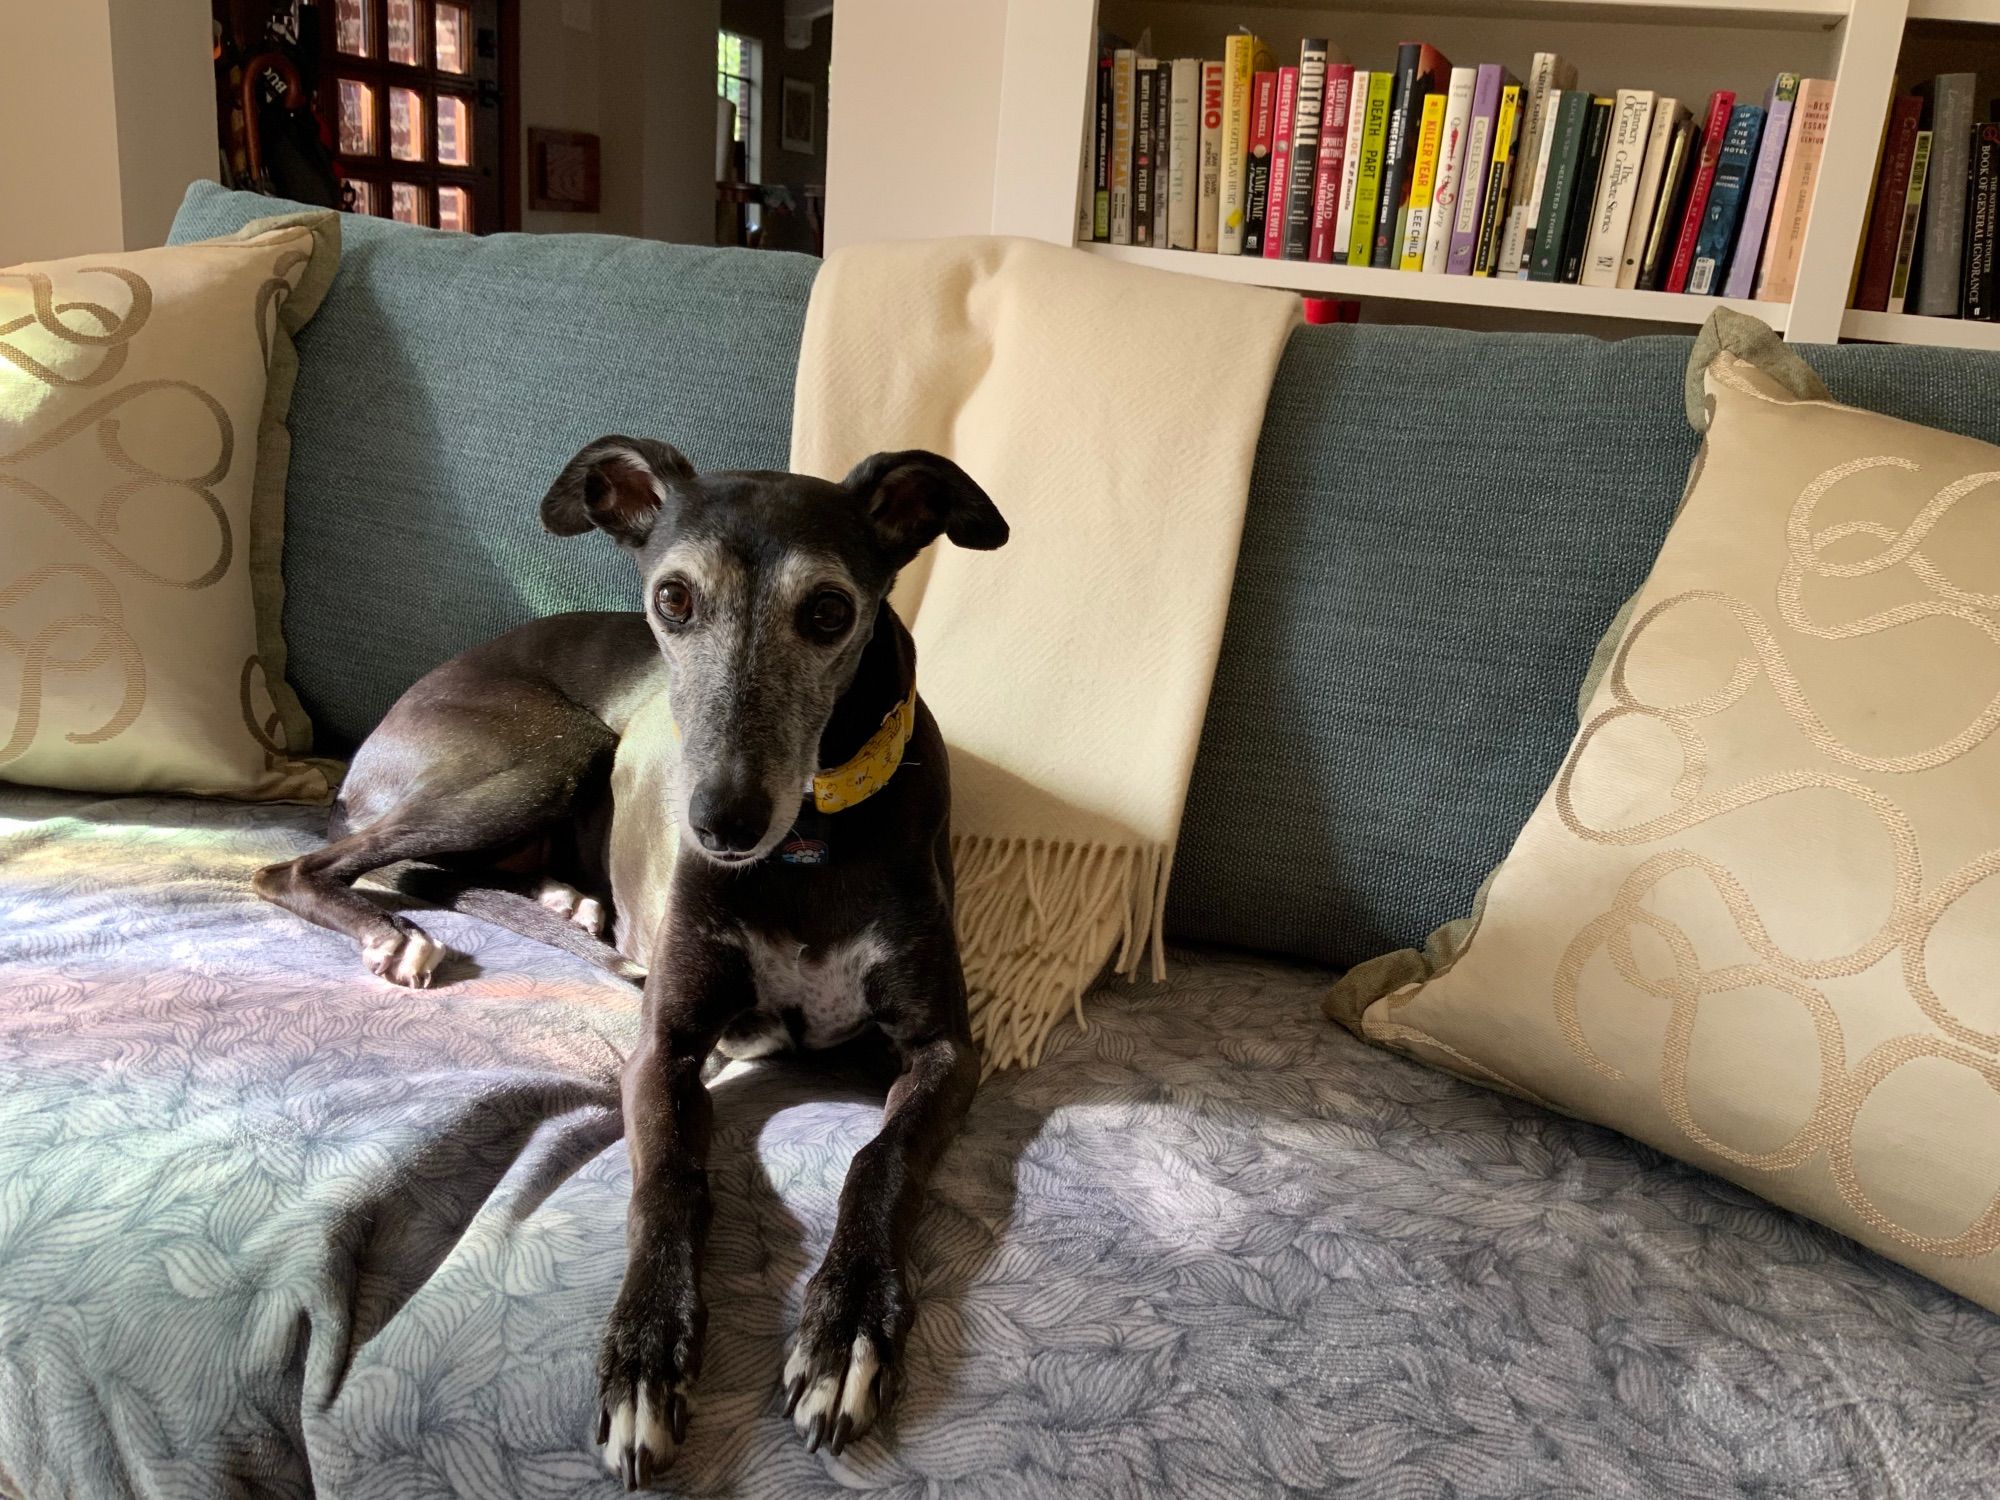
1533 209
1183 153
1350 166
1124 66
1549 76
1446 183
1667 114
1208 184
1617 186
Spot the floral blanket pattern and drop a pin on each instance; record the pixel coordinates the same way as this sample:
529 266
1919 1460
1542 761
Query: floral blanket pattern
270 1227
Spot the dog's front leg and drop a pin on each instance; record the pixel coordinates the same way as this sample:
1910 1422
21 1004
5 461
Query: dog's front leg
651 1353
841 1373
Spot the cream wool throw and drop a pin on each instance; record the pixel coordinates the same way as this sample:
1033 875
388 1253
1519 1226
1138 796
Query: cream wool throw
1112 414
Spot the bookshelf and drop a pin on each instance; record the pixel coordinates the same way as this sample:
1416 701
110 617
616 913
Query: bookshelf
1046 79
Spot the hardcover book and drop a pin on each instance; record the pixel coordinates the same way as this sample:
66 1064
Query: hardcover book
1797 178
1913 211
1589 166
1676 183
1208 183
1350 170
1124 70
1778 103
1283 119
1368 186
1507 127
1257 183
1183 152
1476 169
1100 216
1145 86
1423 172
1303 168
1982 224
1538 180
1667 116
1885 218
1565 140
1163 120
1420 72
1331 169
1725 199
1448 176
1617 186
1714 128
1943 279
1550 75
1243 58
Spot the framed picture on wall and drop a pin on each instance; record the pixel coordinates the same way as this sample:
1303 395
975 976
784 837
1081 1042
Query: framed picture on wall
562 171
801 107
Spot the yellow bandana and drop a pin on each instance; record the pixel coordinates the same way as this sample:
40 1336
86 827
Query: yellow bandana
872 765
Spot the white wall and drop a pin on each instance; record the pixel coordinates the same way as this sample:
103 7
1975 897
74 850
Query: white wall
163 76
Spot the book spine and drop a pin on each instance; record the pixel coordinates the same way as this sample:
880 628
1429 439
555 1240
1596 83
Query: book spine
1675 183
1183 151
1124 75
1617 187
1350 170
1368 186
1507 127
1720 219
1100 214
1667 116
1303 168
1885 218
1475 170
1163 124
1538 184
1145 84
1239 76
1720 104
1589 169
1545 80
1406 112
1763 187
1283 109
1913 211
1791 206
1944 229
1257 181
1565 136
1331 169
1448 181
1983 224
1423 172
1208 182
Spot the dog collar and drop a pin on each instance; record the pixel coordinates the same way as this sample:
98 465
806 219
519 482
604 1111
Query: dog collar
869 769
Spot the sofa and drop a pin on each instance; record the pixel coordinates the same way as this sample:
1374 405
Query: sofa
270 1227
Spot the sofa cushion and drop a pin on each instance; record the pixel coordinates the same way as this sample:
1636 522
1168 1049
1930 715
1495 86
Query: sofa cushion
445 381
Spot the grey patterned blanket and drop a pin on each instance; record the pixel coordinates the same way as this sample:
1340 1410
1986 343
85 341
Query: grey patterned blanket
268 1226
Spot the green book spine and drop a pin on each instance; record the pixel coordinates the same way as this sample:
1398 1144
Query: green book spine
1368 181
1552 225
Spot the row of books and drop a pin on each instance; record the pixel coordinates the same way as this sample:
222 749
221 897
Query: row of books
1933 233
1464 171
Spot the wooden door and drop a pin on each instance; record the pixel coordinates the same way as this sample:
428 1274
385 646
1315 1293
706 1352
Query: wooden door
412 100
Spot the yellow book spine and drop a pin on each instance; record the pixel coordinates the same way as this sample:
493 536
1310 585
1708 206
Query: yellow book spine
1423 177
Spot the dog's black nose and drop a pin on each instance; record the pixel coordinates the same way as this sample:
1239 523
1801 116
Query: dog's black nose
729 820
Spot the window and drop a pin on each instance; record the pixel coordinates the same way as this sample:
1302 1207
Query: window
739 68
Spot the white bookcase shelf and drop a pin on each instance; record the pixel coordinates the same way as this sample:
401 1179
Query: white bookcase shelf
1047 67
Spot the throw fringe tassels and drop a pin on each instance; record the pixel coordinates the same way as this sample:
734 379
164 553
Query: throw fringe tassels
1036 921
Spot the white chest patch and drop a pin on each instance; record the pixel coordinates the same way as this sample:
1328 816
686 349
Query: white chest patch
814 994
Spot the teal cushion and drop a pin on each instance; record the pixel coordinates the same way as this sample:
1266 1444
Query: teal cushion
445 381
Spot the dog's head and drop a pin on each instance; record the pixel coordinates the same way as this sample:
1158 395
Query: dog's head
763 591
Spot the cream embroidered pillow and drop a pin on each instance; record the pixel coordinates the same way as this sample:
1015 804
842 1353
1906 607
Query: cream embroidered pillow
142 470
1756 919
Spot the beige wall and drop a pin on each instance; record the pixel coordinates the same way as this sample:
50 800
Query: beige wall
107 113
641 78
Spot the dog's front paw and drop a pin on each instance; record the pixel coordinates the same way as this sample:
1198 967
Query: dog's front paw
644 1369
407 956
841 1374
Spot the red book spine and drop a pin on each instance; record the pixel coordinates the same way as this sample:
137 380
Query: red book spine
1885 221
1720 103
1332 159
1257 175
1281 162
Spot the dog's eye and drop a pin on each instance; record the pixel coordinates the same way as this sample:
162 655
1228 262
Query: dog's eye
829 614
675 602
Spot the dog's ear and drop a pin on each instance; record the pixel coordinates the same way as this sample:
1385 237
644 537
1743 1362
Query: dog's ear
616 484
912 496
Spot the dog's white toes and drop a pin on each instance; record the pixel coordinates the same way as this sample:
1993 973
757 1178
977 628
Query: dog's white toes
641 1435
858 1389
838 1408
589 915
406 958
559 898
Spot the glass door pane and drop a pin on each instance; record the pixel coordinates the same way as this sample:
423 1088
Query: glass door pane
454 131
357 118
406 124
451 32
404 43
454 209
409 203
